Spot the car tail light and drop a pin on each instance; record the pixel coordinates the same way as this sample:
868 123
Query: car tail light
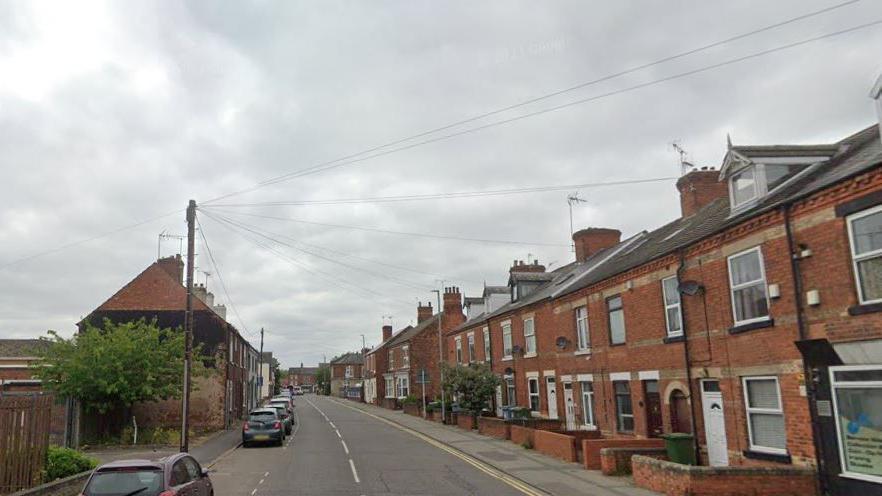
244 427
277 425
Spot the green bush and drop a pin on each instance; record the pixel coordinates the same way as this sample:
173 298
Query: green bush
64 462
410 400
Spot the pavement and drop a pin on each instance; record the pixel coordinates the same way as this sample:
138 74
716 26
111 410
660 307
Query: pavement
205 450
542 473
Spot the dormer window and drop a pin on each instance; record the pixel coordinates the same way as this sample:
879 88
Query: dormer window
742 186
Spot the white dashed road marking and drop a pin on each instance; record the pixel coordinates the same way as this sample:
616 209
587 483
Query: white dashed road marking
345 448
342 441
354 473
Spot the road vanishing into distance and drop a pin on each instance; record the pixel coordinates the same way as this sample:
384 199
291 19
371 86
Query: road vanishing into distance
338 450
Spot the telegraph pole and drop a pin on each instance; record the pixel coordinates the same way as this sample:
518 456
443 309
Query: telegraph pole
188 327
441 358
260 368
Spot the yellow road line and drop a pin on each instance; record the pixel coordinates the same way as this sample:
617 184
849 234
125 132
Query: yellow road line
478 464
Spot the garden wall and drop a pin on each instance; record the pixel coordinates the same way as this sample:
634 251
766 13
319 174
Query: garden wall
521 435
560 446
617 461
494 427
591 448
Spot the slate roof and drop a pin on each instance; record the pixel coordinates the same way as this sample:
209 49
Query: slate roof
531 276
495 290
351 358
21 348
411 331
471 300
855 154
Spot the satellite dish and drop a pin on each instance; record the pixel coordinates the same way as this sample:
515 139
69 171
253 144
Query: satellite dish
690 288
561 342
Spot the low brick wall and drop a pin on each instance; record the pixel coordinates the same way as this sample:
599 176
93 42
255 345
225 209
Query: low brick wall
591 448
413 409
465 420
69 486
539 424
390 403
673 479
581 436
494 427
617 461
560 446
521 435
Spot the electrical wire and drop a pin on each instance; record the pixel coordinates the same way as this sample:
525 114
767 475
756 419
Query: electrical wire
352 158
221 277
445 196
387 231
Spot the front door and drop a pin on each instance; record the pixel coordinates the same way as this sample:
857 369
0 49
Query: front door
653 408
551 388
714 423
570 406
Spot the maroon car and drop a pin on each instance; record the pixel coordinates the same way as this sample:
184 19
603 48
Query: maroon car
175 475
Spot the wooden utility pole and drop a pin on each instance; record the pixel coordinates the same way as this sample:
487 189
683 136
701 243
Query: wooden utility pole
188 327
260 368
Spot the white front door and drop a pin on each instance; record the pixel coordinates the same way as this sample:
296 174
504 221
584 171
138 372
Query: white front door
570 406
551 388
714 423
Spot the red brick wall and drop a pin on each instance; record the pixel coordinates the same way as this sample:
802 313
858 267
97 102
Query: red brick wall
465 420
560 446
494 427
591 448
673 479
617 461
521 435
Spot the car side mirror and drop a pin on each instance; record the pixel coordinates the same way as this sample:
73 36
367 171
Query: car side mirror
205 472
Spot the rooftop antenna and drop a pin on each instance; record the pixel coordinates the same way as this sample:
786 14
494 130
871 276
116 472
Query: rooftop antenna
390 319
573 199
164 235
207 275
685 165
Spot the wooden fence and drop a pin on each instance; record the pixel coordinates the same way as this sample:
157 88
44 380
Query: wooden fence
24 438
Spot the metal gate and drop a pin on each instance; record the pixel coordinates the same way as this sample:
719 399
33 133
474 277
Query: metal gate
24 437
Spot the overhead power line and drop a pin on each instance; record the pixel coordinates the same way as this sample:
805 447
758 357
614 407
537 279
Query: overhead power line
387 231
447 196
221 278
354 157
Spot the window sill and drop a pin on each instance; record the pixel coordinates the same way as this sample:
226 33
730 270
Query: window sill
865 308
586 351
506 359
674 339
616 344
529 355
762 324
769 457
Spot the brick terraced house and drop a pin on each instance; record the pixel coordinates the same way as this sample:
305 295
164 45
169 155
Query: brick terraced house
230 389
375 365
347 376
752 321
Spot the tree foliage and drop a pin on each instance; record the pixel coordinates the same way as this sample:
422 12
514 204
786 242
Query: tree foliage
473 385
117 365
323 380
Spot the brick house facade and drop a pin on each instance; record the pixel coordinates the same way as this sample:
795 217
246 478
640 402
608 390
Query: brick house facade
376 363
347 376
751 321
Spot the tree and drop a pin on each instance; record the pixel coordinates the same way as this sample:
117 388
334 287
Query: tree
276 367
323 380
473 385
116 366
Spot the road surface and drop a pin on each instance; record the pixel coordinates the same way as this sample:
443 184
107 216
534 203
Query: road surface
340 451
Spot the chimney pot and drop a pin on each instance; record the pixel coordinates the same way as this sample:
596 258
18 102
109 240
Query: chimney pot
387 332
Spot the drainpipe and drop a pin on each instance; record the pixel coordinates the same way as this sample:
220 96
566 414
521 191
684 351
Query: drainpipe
801 327
695 443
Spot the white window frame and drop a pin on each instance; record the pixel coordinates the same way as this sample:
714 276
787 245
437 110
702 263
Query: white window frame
390 391
458 341
587 408
620 416
486 334
506 341
531 394
405 356
855 258
583 335
511 390
834 385
528 338
756 186
470 337
402 386
762 280
670 306
765 411
609 319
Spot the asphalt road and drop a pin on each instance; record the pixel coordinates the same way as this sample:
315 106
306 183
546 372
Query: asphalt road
339 451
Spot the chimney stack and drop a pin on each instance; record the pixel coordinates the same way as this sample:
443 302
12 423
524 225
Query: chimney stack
520 266
591 240
173 266
699 188
387 332
424 312
453 315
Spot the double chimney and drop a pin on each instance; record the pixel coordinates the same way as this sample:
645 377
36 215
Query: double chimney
424 312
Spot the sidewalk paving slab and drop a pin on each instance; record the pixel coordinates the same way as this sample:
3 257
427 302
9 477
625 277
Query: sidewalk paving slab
555 477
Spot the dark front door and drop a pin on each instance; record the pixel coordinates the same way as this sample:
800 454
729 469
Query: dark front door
652 400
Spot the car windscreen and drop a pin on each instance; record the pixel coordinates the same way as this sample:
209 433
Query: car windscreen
261 416
122 482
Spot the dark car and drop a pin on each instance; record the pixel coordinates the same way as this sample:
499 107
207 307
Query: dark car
178 474
284 415
264 425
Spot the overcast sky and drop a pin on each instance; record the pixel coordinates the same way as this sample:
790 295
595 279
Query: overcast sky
112 114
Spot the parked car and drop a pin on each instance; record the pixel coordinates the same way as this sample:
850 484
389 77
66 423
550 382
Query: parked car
178 474
298 391
263 425
289 403
284 415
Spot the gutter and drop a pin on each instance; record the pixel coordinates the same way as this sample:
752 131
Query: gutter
796 275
